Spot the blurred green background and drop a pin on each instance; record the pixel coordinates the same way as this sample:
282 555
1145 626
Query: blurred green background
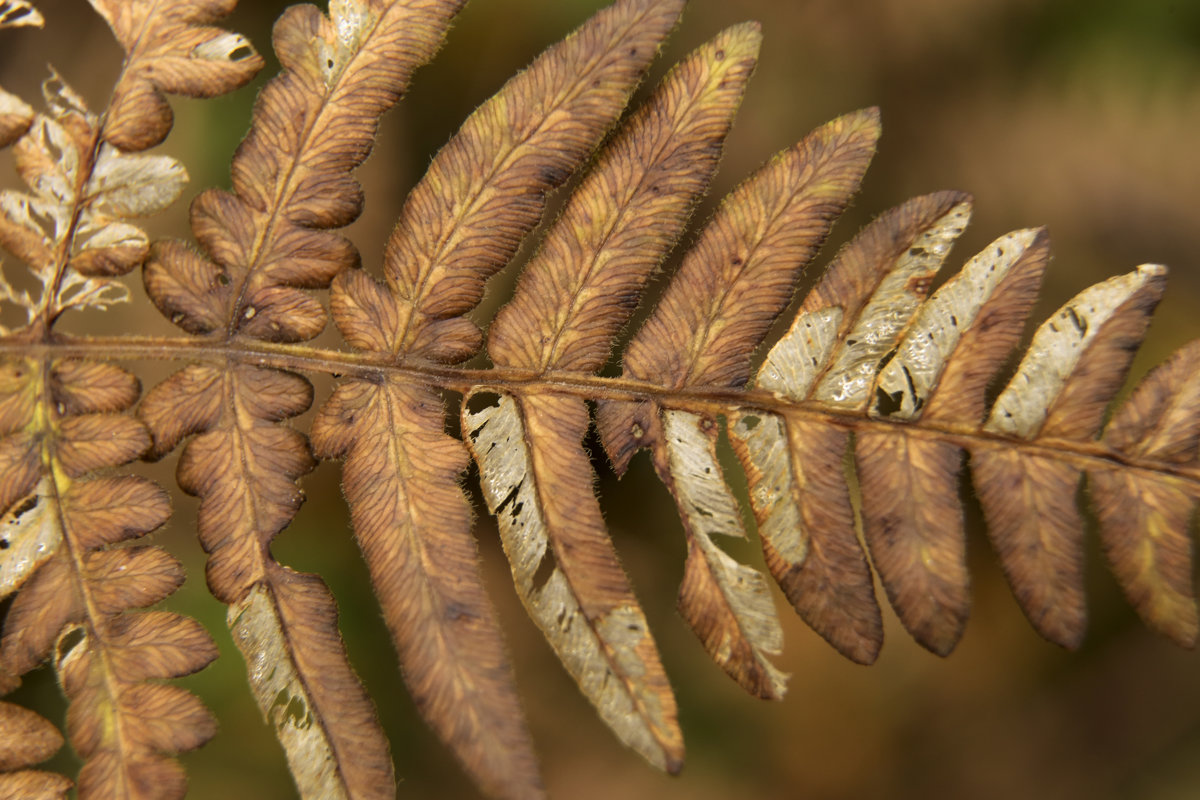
1077 114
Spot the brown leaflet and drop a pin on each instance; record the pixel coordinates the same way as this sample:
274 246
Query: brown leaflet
413 525
114 508
28 740
86 387
573 297
912 518
46 603
170 48
1145 518
912 522
1145 523
243 466
537 481
619 224
485 190
806 524
850 619
728 605
306 689
34 785
15 118
1073 366
740 274
1032 520
125 727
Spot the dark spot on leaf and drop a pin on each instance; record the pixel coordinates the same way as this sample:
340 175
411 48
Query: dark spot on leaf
719 55
26 506
1079 322
456 611
5 544
919 284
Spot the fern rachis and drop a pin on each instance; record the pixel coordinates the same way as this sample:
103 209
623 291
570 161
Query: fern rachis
876 364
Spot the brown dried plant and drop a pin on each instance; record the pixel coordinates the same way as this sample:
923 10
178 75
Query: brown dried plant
876 366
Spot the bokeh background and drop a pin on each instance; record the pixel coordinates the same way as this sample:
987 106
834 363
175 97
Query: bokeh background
1077 114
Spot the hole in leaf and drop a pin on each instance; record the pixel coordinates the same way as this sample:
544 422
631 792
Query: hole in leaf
545 569
69 640
240 53
478 401
750 422
886 403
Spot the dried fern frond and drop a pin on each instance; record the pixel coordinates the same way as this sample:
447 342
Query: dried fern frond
852 430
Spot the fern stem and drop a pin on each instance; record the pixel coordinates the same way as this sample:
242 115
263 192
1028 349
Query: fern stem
305 358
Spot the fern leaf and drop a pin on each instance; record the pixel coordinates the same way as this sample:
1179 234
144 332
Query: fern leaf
15 118
857 425
1145 518
243 466
529 137
534 474
413 524
82 192
75 592
263 246
572 299
1074 365
169 47
715 312
28 741
485 190
580 287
